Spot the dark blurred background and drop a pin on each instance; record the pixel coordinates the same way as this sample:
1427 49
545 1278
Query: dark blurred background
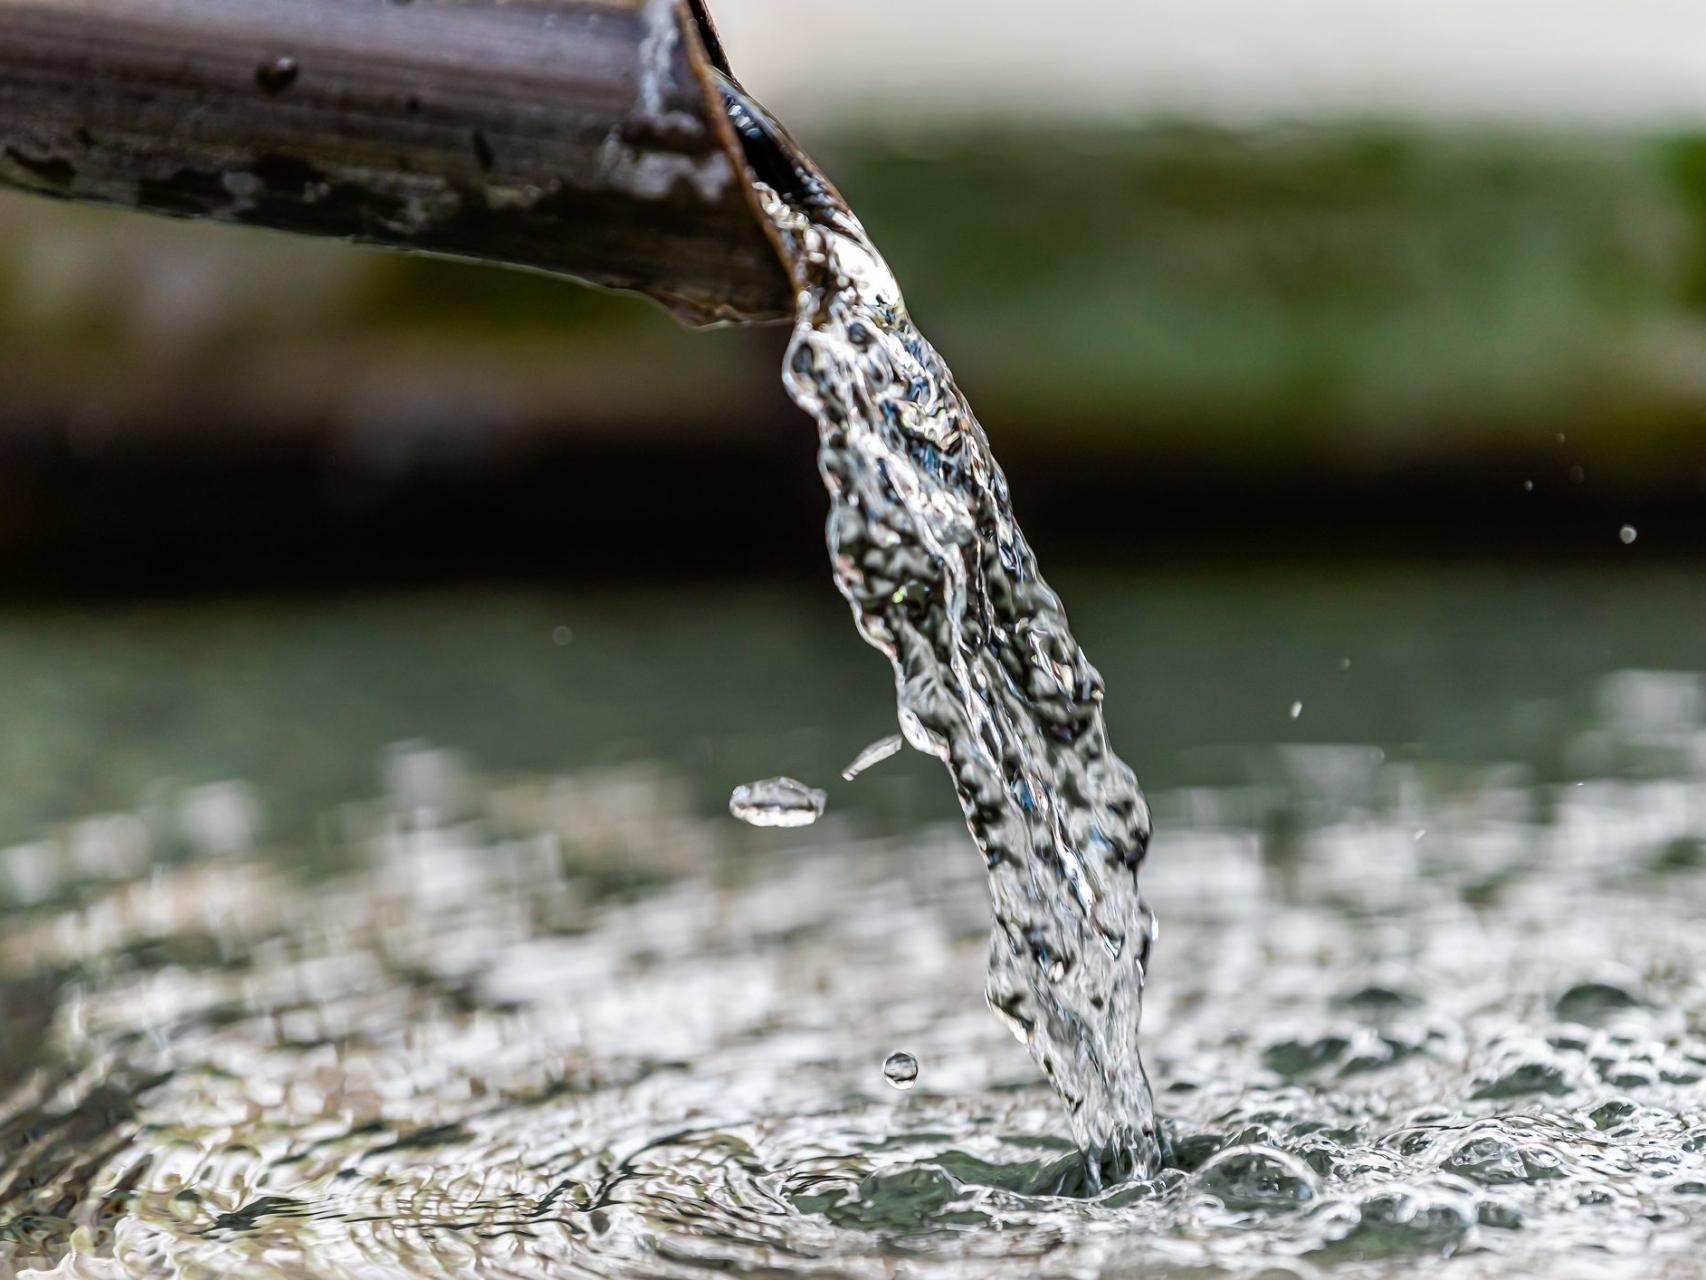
1220 282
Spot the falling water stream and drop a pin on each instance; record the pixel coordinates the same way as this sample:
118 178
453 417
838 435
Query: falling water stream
988 677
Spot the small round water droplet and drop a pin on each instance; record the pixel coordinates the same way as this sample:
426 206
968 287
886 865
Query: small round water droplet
275 75
777 802
901 1071
1344 664
1296 710
1528 486
562 636
1628 533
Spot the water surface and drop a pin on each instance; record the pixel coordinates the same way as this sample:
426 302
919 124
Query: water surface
529 1002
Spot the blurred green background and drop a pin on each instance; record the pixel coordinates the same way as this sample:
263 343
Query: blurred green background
1273 330
1351 292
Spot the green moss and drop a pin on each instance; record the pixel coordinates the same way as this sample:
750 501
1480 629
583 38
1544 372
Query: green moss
1325 281
1359 291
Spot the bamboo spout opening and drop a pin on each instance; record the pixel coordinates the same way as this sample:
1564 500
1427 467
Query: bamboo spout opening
584 138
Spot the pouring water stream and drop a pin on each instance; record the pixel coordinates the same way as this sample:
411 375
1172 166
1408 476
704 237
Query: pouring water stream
988 677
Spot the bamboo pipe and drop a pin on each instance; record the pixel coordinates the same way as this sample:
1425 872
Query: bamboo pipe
584 138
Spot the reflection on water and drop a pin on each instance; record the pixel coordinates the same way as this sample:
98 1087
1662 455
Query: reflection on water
587 1024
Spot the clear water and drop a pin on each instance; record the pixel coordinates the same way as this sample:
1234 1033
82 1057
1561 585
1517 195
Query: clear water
777 802
1436 1006
873 755
901 1070
988 677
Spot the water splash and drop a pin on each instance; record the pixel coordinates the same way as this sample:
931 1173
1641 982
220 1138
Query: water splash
874 755
988 677
565 1025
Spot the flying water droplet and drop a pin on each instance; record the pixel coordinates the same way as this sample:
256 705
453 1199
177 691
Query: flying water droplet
1296 710
901 1071
275 75
777 802
1628 533
874 754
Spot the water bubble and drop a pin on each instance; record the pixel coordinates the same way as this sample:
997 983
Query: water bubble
1258 1177
1524 1077
1610 1114
1406 1221
777 802
901 1070
1487 1159
1628 533
874 754
1593 1002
